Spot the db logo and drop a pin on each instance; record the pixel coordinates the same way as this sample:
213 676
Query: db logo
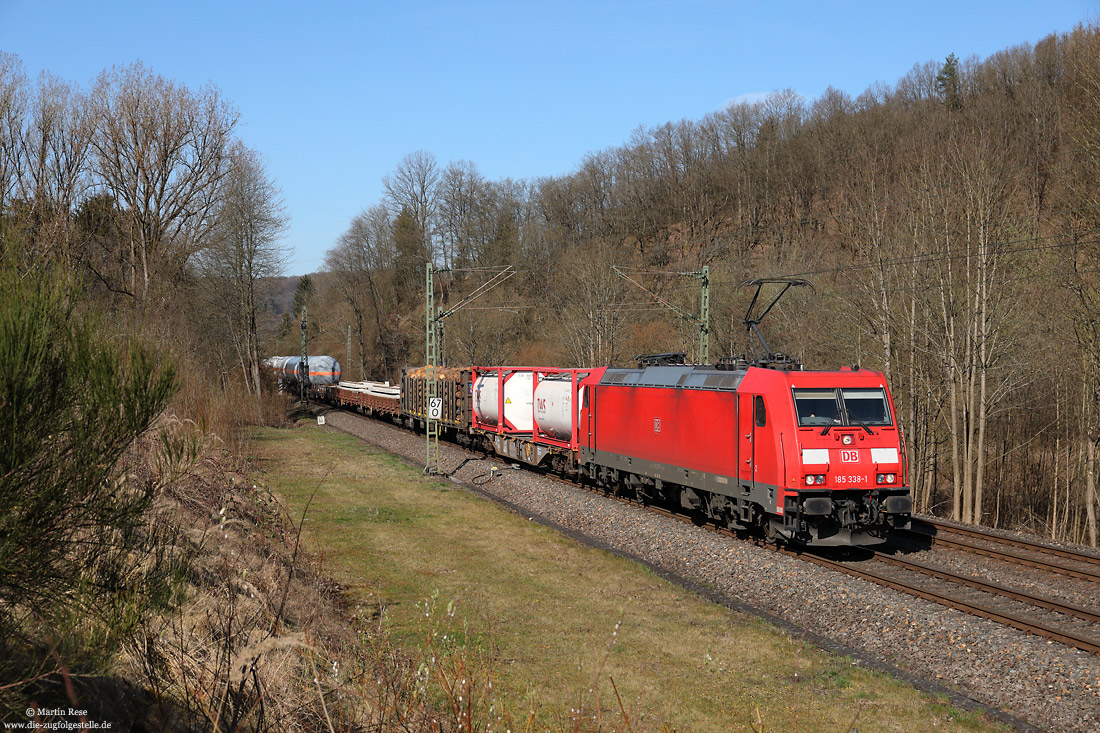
849 456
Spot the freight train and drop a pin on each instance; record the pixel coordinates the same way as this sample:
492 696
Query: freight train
807 457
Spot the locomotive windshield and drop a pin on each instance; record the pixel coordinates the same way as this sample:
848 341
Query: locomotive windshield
866 406
817 407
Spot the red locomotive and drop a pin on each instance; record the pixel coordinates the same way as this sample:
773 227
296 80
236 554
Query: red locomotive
808 457
812 457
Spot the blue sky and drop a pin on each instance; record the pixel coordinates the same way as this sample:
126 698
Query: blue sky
335 94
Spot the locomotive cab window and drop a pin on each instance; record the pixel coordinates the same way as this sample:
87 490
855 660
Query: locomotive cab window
866 406
817 407
761 412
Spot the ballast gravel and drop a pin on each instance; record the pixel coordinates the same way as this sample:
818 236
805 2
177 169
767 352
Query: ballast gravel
1047 684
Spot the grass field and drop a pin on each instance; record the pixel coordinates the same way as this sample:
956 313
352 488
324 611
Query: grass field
577 637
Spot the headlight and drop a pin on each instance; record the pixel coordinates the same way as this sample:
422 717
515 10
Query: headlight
810 481
886 478
846 439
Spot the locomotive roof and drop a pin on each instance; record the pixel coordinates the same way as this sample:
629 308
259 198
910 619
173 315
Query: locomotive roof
716 380
683 376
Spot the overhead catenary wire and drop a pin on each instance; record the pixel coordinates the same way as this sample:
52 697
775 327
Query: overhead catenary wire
916 259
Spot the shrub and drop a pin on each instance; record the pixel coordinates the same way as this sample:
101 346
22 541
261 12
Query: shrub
78 555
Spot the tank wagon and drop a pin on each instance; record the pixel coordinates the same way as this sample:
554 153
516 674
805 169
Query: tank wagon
290 371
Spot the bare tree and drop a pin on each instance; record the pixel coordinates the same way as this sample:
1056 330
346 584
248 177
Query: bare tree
974 306
362 263
161 151
461 194
1085 132
589 300
412 188
55 154
13 100
249 224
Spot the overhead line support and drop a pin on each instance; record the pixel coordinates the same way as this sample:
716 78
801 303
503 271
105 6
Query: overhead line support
433 348
702 321
303 365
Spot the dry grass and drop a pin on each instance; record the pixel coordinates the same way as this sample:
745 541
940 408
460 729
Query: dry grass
232 655
226 413
526 627
258 638
263 639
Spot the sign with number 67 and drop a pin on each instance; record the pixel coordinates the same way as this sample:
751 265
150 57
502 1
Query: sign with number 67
435 408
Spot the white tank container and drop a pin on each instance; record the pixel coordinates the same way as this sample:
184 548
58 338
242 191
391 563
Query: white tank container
554 408
517 400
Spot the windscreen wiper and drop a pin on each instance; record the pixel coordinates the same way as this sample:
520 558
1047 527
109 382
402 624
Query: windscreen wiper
859 422
850 419
833 424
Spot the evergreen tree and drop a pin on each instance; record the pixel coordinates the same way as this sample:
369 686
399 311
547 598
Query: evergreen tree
75 541
410 256
947 82
303 294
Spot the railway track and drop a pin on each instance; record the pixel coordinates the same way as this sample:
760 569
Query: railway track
1051 619
975 541
1045 617
1048 618
1051 684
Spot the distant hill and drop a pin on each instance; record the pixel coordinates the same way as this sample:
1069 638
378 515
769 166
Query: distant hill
279 291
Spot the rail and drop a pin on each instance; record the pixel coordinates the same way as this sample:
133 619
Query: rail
937 537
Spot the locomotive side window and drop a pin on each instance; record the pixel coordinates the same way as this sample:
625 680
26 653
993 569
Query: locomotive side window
867 406
761 412
817 407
